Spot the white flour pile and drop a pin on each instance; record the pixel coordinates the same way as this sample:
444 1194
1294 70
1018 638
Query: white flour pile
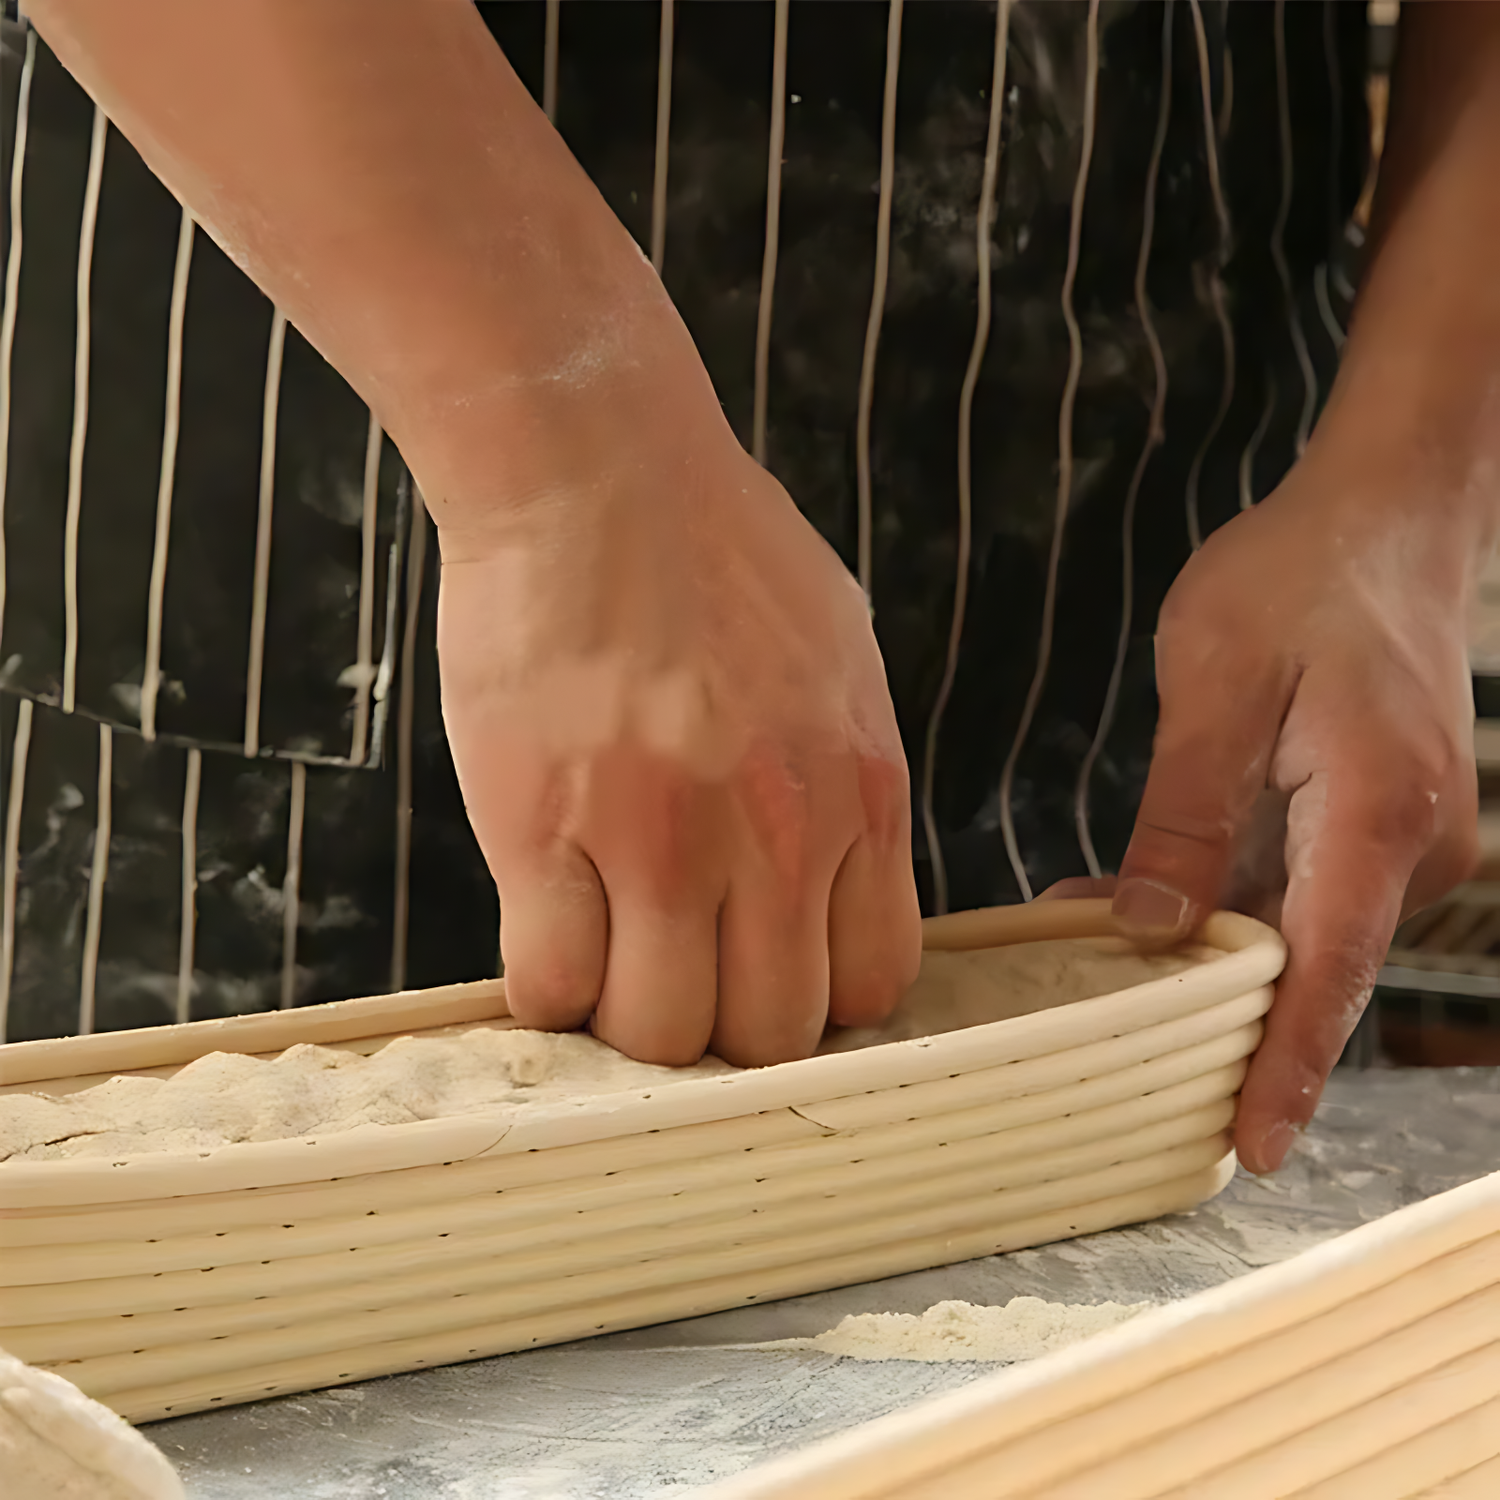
225 1097
1024 1328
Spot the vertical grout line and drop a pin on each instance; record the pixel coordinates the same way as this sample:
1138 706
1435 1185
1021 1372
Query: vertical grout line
663 140
80 408
291 886
13 287
1064 460
151 674
965 457
877 300
1335 123
364 661
1226 88
773 232
98 874
395 560
405 714
1154 436
1326 315
256 666
1211 132
1278 237
188 933
1331 324
12 861
549 60
1252 446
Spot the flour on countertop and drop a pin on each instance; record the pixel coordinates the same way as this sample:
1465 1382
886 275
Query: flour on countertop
1024 1328
501 1069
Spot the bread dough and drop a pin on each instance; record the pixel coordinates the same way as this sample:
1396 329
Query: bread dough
501 1069
56 1444
1024 1328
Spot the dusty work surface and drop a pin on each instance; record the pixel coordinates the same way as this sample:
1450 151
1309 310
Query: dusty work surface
661 1411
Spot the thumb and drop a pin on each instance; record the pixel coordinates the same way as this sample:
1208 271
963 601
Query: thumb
1213 750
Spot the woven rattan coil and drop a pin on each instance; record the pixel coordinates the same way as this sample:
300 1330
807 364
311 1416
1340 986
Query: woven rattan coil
162 1284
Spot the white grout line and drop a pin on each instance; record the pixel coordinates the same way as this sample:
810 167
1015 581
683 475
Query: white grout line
405 712
1226 92
663 139
1331 324
877 299
1252 446
1278 237
80 409
965 459
1211 134
256 666
1154 435
1335 123
17 799
98 874
549 60
291 886
1064 458
364 662
151 674
773 232
13 286
188 933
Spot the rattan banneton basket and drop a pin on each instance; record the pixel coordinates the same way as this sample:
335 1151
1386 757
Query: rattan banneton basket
1367 1368
163 1284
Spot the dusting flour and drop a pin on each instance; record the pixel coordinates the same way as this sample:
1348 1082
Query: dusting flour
308 1090
1024 1328
226 1097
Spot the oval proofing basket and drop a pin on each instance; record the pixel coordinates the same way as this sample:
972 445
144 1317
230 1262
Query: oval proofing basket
162 1284
1367 1368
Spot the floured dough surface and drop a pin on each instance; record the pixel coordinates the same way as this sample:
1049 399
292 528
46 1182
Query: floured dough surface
57 1444
225 1098
1024 1328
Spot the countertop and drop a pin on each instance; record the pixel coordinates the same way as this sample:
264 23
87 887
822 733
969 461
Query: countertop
662 1411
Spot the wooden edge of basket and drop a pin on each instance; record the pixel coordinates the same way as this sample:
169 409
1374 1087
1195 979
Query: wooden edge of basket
1253 955
935 1434
368 1149
268 1031
484 1000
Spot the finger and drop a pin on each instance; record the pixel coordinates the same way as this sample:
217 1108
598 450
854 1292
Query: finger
1213 748
1353 840
656 835
773 974
874 934
1080 888
554 930
874 917
661 978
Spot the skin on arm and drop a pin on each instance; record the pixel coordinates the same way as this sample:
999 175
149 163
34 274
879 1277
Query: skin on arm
666 706
1314 756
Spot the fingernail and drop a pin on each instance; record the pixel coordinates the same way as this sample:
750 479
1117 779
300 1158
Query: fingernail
1146 908
1267 1155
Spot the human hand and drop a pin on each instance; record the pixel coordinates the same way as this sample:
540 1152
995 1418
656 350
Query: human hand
1314 757
675 741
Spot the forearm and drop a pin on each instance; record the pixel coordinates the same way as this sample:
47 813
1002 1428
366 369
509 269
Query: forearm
378 169
1418 392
